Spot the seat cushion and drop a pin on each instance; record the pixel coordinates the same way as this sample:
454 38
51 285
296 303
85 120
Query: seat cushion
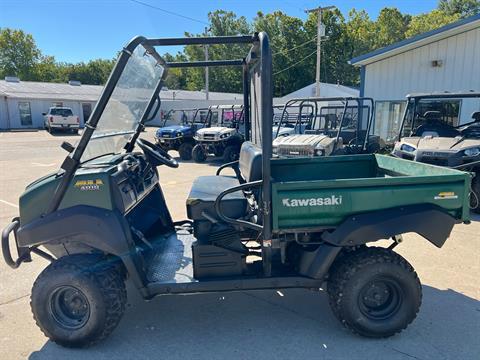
204 192
250 162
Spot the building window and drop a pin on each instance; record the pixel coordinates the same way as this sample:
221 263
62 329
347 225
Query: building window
87 110
388 119
25 113
57 104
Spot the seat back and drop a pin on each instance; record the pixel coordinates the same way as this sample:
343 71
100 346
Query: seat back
250 162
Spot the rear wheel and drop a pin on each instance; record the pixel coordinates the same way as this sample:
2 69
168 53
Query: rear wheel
374 292
185 151
198 154
230 154
475 193
77 301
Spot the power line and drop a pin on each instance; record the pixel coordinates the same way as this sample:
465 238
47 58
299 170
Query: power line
169 12
295 47
298 62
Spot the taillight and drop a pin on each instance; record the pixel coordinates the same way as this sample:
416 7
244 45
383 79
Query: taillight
78 120
50 118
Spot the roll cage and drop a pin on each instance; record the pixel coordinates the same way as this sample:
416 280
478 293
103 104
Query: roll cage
314 121
413 100
257 105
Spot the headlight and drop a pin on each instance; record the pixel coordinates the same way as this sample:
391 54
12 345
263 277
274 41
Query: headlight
179 134
224 136
407 148
274 149
319 152
472 151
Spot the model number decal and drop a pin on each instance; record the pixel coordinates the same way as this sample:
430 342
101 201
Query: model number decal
446 195
89 185
323 201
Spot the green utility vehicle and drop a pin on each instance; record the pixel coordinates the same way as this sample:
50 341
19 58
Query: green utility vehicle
278 223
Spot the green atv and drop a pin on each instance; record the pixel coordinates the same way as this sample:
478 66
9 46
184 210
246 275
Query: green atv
279 223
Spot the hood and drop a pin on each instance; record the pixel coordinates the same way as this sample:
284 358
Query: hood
440 143
173 128
215 130
304 145
300 140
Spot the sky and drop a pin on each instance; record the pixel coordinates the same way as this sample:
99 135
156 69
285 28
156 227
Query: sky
81 30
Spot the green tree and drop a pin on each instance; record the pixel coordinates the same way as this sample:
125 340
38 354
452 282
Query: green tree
390 27
224 79
18 54
463 8
430 21
292 49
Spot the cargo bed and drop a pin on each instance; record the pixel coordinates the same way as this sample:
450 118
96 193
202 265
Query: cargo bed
324 191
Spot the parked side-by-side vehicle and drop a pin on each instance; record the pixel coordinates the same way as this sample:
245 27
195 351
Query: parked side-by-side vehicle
278 223
223 140
181 137
443 129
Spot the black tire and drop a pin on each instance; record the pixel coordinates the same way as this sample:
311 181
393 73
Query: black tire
374 292
77 301
475 193
185 151
198 154
231 153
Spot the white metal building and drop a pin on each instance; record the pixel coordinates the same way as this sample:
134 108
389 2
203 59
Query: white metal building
445 59
23 102
326 90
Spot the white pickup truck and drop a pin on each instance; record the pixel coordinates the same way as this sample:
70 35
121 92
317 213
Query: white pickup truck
61 118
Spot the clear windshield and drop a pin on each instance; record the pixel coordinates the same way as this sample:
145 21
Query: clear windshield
125 108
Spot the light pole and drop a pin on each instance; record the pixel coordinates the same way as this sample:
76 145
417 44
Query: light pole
206 68
320 33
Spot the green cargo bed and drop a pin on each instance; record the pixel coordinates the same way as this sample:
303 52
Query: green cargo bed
324 191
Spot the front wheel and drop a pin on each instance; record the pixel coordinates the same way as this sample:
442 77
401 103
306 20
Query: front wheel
185 151
77 301
475 193
198 154
374 292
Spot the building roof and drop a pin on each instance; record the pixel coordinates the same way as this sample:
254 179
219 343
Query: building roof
56 91
326 90
423 39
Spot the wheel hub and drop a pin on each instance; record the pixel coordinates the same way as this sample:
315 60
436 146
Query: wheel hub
69 307
380 299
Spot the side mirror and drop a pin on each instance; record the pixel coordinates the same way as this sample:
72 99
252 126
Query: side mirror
44 113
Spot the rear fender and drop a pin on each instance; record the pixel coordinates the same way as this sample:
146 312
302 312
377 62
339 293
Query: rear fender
427 220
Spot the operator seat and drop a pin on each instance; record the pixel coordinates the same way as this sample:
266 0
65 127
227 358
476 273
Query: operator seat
434 126
206 189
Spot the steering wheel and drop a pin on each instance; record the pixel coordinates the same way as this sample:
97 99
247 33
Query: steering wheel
354 147
157 156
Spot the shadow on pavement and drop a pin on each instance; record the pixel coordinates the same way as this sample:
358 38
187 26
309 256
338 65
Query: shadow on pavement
290 324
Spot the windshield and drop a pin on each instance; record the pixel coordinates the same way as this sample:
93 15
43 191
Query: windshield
124 110
61 112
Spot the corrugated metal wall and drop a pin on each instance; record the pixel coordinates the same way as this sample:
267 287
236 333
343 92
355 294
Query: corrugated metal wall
412 71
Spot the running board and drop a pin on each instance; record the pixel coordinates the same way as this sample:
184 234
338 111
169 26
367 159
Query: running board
229 285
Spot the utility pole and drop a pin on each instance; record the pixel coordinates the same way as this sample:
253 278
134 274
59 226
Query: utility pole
206 68
320 33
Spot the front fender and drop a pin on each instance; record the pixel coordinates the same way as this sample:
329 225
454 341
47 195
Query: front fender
96 228
427 220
